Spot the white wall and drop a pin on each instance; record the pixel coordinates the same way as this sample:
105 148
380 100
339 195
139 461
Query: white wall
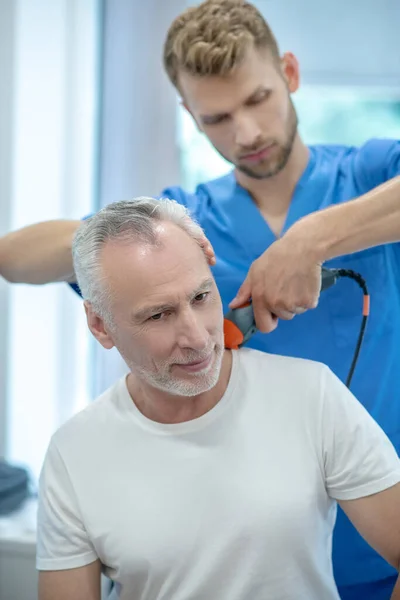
48 104
138 101
346 42
6 117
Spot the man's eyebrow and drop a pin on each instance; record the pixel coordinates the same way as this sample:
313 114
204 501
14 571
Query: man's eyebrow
147 311
154 309
204 286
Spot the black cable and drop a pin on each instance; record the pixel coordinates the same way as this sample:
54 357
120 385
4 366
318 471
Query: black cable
361 282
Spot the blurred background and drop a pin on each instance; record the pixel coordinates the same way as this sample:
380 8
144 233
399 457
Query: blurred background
87 117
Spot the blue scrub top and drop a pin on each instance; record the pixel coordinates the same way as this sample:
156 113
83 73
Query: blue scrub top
239 235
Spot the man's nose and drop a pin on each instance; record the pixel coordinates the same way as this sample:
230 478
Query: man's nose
192 332
247 131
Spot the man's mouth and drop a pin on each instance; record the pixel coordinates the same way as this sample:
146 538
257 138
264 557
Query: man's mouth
258 154
197 365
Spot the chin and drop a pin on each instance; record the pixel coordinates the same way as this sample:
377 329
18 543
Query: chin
194 387
200 383
264 171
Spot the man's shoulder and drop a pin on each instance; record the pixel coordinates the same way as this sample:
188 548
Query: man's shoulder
89 423
290 369
370 148
295 386
370 163
203 193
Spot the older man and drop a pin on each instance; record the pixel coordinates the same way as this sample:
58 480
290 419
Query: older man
205 473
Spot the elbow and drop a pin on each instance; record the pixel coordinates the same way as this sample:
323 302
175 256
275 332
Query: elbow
13 274
10 275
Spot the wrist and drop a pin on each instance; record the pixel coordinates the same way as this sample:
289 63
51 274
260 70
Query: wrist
308 237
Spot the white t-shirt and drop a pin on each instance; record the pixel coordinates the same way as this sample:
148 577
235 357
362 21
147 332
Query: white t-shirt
238 504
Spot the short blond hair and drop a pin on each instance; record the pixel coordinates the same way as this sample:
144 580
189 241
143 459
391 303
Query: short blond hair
213 38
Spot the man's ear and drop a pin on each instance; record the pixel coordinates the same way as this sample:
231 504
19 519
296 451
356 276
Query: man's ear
185 106
98 328
291 71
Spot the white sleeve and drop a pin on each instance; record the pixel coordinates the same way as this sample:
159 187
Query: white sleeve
62 542
359 460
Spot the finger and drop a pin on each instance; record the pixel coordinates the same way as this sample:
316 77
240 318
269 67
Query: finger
274 323
243 296
286 315
299 310
265 320
208 250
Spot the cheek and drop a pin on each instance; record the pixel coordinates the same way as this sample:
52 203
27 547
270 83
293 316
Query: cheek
216 317
218 136
273 117
283 107
221 136
159 342
276 108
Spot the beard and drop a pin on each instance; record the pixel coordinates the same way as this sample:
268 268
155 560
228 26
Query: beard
162 378
272 165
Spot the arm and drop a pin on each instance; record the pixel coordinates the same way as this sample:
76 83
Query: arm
286 279
42 253
67 561
39 253
73 584
370 220
361 468
377 519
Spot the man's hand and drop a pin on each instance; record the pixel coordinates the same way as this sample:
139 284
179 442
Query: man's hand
285 281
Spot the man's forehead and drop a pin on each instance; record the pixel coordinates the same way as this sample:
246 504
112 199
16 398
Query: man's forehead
168 273
171 242
140 273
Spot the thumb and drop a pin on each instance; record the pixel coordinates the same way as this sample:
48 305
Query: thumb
243 295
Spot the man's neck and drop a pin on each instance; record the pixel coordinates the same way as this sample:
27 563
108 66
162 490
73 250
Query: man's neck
166 408
273 195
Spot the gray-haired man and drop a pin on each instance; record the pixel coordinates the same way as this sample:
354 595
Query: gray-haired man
205 473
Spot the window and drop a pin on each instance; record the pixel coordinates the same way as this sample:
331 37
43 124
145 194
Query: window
53 172
327 114
336 115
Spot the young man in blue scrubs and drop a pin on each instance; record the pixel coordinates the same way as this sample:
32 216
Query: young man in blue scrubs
273 221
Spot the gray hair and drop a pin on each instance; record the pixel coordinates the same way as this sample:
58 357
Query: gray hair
134 220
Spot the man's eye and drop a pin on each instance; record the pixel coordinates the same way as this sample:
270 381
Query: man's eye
215 120
258 99
201 297
156 317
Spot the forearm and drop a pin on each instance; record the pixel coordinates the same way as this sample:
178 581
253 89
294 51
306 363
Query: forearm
39 253
370 220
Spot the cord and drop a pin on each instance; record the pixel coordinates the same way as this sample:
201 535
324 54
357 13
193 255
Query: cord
365 314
